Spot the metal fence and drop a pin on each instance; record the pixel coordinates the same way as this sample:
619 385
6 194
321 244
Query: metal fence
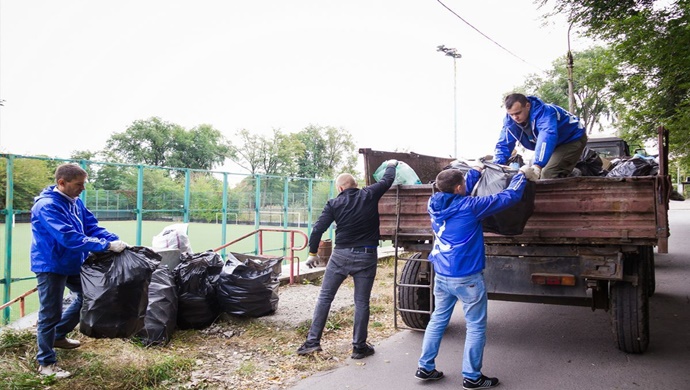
128 192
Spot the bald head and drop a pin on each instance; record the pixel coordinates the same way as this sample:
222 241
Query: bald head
345 181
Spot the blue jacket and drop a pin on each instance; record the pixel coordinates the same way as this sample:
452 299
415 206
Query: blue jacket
456 219
551 125
64 232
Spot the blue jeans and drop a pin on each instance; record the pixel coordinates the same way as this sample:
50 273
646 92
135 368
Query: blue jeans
53 324
362 267
447 291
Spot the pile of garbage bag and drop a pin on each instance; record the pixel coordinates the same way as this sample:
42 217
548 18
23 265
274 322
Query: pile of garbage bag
134 294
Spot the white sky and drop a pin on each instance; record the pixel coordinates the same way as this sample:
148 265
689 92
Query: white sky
73 72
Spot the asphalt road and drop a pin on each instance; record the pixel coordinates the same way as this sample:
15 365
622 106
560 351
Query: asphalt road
534 346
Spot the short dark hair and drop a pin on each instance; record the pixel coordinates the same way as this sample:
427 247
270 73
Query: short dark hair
69 172
515 98
447 180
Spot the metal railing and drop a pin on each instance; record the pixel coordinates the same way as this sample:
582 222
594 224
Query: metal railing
292 247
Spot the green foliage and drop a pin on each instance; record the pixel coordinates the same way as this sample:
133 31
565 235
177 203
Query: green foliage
649 39
327 150
159 143
30 177
595 75
202 147
314 152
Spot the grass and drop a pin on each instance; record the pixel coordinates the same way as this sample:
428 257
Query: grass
107 364
235 353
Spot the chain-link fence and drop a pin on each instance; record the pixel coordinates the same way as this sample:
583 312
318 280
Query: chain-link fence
138 200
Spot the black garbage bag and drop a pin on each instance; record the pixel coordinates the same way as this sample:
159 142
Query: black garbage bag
633 167
248 285
590 163
516 159
115 288
196 277
509 222
161 313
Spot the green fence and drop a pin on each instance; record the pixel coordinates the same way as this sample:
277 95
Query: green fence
138 201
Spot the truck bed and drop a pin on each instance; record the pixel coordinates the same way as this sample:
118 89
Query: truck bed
575 210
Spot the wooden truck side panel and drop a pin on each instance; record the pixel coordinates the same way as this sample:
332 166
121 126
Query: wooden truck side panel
575 210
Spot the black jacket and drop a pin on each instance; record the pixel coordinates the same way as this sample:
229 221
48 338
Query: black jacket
356 215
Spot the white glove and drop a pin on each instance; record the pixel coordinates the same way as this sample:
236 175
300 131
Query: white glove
117 246
313 261
531 173
477 165
392 163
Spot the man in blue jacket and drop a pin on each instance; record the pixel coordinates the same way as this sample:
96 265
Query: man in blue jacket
356 214
556 136
64 231
458 258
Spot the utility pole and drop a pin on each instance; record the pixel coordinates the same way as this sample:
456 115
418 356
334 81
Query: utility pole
452 52
569 66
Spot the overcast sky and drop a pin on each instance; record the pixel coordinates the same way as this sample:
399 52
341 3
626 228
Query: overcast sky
74 72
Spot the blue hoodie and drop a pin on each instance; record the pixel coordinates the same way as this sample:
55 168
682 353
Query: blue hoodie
551 126
64 232
457 223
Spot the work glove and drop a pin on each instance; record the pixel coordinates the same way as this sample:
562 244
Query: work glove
117 246
392 163
313 260
531 173
478 164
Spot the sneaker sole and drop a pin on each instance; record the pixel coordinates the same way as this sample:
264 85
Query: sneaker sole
428 379
360 356
309 351
479 388
67 346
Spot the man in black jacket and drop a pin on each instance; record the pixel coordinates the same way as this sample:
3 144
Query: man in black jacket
355 212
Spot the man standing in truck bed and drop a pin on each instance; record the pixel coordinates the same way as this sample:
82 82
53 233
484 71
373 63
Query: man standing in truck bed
556 136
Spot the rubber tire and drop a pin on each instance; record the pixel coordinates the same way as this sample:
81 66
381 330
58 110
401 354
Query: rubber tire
413 298
648 253
630 308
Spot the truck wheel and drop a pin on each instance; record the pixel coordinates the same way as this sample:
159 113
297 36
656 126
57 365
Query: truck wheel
414 298
630 308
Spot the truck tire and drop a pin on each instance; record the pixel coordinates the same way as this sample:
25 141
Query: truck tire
414 298
630 308
648 254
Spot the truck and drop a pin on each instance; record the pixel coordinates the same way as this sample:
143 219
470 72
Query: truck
589 242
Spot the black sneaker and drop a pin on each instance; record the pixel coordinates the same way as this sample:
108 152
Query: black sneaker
362 352
307 348
424 375
484 382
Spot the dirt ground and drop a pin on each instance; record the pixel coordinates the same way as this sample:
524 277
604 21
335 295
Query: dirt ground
296 304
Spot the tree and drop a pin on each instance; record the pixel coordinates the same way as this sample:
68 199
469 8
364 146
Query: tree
649 39
30 177
327 150
279 154
202 147
159 143
147 142
247 151
594 77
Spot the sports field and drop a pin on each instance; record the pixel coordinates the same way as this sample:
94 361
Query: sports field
202 237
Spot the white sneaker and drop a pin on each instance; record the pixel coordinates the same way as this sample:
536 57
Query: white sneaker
53 369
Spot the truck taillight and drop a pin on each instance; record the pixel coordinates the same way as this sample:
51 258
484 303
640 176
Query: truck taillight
553 279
